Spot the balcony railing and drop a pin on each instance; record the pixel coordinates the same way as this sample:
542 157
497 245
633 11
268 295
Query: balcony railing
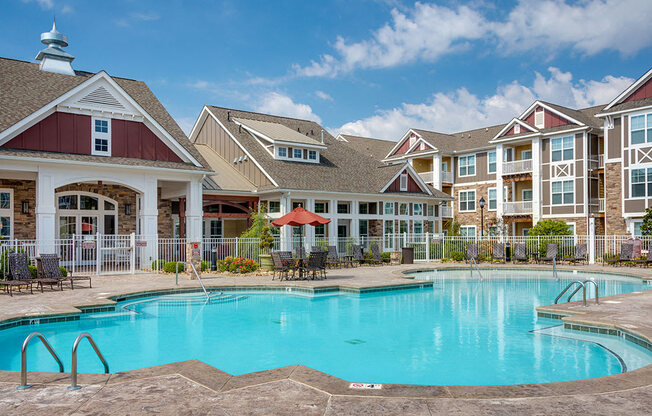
446 211
601 205
517 166
598 204
447 177
427 177
601 161
517 208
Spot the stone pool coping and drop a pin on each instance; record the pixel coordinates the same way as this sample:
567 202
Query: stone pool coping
217 380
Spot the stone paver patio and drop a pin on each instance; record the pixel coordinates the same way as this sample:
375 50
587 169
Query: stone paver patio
192 387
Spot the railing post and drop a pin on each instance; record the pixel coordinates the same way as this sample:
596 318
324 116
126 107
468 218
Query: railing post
427 244
74 253
132 253
98 250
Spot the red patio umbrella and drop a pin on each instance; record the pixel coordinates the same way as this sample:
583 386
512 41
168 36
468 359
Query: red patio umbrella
298 217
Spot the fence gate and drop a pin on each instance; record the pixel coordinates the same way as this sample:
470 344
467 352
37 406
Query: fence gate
98 254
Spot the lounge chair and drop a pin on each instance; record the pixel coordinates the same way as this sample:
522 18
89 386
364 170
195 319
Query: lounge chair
48 268
498 252
519 253
472 252
376 258
626 251
16 282
333 259
551 253
18 267
646 261
580 253
358 254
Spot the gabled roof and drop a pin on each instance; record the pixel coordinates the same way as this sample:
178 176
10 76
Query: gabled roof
513 122
228 177
277 132
25 89
611 107
462 141
585 115
375 148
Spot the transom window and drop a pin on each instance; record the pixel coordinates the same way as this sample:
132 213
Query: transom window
431 210
467 165
403 209
562 192
562 148
6 214
493 199
640 133
467 200
491 157
321 207
101 135
363 208
282 151
641 183
389 208
274 207
417 209
343 208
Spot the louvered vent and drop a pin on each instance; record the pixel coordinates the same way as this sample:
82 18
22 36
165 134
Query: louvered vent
538 119
101 96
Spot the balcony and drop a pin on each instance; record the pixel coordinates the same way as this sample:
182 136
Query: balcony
601 161
517 208
517 166
427 177
446 177
598 204
446 211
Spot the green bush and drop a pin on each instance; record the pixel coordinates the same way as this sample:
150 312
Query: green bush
4 260
386 256
158 264
205 266
457 256
64 272
33 271
237 265
172 267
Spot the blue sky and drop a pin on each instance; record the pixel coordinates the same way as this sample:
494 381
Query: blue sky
363 67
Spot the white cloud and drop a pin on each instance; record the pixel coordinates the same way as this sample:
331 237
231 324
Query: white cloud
282 105
428 31
463 110
135 17
324 96
45 4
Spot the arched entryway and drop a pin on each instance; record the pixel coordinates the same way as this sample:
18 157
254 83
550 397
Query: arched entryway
85 213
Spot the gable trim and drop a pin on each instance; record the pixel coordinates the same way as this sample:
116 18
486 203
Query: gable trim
511 123
415 176
630 90
547 107
400 142
417 143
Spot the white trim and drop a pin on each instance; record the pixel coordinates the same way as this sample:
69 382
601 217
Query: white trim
401 141
100 212
488 182
488 163
459 165
414 175
511 123
9 212
101 136
340 137
613 113
631 89
559 113
417 142
459 200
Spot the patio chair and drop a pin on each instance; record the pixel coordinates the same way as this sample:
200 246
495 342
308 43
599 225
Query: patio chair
279 267
519 252
626 251
315 264
376 258
646 261
472 252
497 252
333 259
18 267
317 248
551 253
48 268
358 254
580 253
299 252
288 263
17 281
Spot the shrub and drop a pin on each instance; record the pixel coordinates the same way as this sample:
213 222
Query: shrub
64 272
205 266
445 260
33 271
550 227
158 264
457 256
386 256
237 265
172 267
4 260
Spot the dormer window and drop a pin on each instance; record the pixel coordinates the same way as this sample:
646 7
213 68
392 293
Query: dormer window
298 154
101 136
312 155
282 151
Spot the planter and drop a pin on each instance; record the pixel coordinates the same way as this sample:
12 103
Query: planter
266 262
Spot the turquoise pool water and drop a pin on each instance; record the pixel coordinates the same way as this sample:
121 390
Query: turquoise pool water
462 331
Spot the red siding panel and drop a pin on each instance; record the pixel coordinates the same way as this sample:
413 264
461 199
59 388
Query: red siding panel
67 133
550 119
412 185
82 139
644 91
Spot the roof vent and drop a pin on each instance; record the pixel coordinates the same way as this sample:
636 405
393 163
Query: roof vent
53 58
298 129
228 116
322 136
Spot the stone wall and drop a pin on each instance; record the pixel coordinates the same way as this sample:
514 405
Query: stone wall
613 193
375 228
24 224
473 218
164 217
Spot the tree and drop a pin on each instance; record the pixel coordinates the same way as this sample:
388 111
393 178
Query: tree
550 227
266 238
646 227
258 222
453 227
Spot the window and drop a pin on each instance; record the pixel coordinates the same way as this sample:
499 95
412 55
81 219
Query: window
297 204
216 229
467 200
321 207
467 230
298 154
6 214
641 183
320 230
312 155
639 134
282 151
363 208
526 232
403 209
404 182
444 166
431 210
364 228
467 165
562 148
389 208
342 207
68 202
87 202
417 209
527 194
274 207
637 228
101 137
526 155
491 156
571 226
493 231
418 227
562 192
403 226
389 227
493 199
505 194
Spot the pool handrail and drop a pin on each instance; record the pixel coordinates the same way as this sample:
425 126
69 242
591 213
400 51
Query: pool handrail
581 285
597 290
196 274
23 357
472 262
73 372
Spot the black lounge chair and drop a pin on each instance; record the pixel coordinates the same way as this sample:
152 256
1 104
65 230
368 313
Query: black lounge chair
626 252
498 252
333 259
376 258
551 253
580 253
472 252
646 261
48 268
358 254
519 253
17 281
19 268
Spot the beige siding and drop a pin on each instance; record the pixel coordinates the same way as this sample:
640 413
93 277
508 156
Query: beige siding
614 146
213 135
481 167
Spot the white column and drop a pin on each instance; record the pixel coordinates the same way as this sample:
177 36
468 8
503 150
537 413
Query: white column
355 220
149 218
45 213
332 226
436 171
500 197
536 180
194 210
286 231
309 229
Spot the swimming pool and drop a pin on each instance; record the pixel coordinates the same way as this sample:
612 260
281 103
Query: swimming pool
461 331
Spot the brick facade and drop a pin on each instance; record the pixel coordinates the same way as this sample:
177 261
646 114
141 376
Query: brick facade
473 218
24 224
613 193
375 228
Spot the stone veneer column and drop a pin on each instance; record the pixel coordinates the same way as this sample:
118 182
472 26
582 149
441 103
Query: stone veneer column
45 212
614 194
193 255
536 180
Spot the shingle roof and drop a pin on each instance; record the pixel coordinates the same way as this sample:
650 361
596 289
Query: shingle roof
227 178
340 169
24 89
461 141
628 105
375 148
276 131
583 115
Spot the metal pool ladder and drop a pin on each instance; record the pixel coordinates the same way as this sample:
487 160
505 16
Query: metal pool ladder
581 285
196 274
23 357
73 373
472 263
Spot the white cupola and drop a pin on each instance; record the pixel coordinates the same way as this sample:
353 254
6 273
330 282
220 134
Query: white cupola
53 58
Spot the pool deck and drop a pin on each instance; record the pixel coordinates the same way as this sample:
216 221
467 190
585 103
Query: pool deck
193 387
